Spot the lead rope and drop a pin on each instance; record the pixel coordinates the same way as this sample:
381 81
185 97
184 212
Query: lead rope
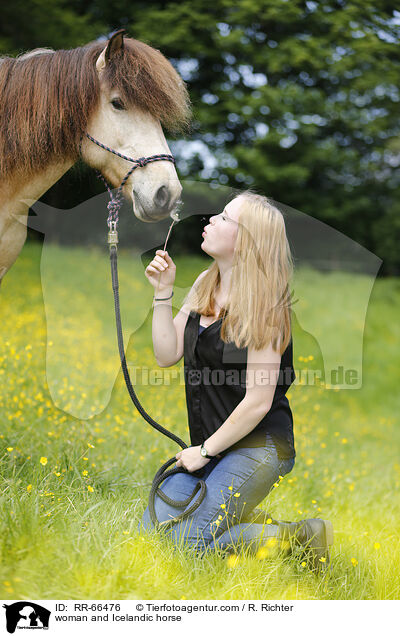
162 473
113 207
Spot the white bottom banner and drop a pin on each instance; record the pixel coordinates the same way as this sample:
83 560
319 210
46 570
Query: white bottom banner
172 617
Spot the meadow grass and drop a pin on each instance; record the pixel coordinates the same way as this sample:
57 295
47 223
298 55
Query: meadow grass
73 488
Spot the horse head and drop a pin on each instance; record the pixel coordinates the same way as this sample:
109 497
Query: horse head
127 120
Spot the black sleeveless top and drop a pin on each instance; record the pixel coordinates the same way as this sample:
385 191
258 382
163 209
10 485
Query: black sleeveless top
215 383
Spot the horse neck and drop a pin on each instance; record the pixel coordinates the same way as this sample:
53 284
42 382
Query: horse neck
20 192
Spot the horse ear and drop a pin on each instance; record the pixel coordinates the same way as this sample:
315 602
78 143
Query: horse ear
115 44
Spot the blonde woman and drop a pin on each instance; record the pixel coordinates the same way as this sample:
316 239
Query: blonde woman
234 331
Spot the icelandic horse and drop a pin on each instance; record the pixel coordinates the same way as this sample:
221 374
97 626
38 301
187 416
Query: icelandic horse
121 94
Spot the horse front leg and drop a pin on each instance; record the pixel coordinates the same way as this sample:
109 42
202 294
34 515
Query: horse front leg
12 241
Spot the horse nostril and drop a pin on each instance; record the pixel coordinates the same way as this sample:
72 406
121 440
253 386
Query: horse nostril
162 197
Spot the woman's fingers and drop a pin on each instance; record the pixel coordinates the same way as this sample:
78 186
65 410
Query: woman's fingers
164 258
161 261
159 271
149 268
158 265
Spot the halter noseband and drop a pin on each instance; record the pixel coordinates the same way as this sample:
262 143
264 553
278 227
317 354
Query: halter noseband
115 202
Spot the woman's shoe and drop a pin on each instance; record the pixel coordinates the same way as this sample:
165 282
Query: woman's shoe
314 536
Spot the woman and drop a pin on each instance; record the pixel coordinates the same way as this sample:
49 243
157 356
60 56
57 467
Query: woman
234 331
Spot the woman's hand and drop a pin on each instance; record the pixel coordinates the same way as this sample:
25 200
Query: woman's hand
161 271
191 459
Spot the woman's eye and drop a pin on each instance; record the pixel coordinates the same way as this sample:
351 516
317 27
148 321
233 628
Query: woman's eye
117 104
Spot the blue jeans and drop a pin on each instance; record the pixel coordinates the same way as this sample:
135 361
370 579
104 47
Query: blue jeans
236 483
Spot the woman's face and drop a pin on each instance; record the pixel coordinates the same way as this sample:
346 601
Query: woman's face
219 236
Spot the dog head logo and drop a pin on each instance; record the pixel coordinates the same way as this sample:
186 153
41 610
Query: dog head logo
26 615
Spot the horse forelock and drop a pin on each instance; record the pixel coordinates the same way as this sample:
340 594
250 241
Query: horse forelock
145 78
47 98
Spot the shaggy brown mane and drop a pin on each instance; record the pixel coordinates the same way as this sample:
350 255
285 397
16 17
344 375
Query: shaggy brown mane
47 98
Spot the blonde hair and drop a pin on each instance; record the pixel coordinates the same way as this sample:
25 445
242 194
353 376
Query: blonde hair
258 308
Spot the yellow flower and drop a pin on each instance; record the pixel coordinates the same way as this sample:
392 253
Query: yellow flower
10 448
269 520
85 459
29 487
223 506
344 440
232 561
303 564
323 559
237 494
84 473
90 489
262 553
377 546
90 445
354 561
43 461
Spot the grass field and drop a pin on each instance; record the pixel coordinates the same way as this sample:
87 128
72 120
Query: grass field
74 487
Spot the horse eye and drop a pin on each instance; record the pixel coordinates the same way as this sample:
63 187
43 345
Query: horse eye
117 104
